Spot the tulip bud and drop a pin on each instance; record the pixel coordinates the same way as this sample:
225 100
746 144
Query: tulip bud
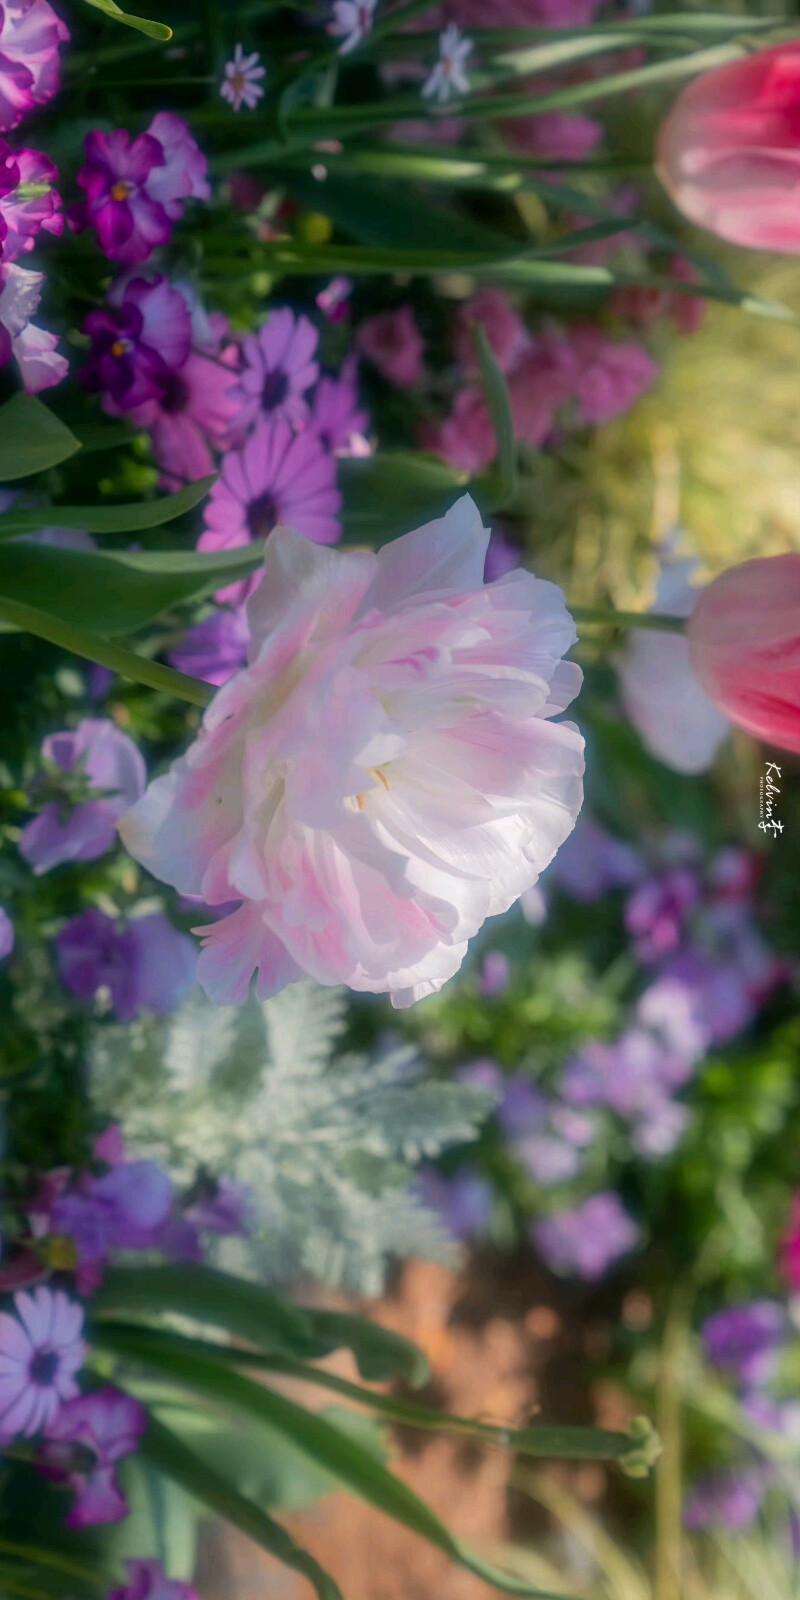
744 642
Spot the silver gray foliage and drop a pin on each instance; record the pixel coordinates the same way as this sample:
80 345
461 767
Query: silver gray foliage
325 1142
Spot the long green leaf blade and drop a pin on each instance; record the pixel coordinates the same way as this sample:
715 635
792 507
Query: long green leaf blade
32 439
135 518
81 642
170 1456
498 402
319 1440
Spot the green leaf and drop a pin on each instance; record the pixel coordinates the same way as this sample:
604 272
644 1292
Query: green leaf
153 30
114 592
384 214
498 402
82 642
324 1445
170 1456
391 493
380 1354
246 1310
31 439
136 518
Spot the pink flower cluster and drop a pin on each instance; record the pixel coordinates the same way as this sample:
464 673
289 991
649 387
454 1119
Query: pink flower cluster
574 376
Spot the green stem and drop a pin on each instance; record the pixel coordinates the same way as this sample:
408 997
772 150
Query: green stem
652 620
104 653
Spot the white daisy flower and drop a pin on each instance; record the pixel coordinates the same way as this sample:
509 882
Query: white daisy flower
240 85
449 76
352 21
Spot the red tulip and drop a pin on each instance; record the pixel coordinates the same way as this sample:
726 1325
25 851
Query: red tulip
729 150
744 641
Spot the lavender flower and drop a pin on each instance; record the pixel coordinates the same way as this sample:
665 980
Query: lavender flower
464 1202
744 1340
144 966
587 1239
352 21
656 913
40 1352
97 756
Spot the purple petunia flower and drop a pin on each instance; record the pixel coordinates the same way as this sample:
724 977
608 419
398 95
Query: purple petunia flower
40 1352
30 34
99 753
135 189
215 648
107 1423
744 1340
6 934
147 1580
137 342
587 1239
22 217
122 1210
278 370
279 477
631 1076
145 966
34 349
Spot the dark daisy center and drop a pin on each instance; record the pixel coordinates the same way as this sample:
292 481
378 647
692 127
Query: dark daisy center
262 515
43 1368
174 394
275 390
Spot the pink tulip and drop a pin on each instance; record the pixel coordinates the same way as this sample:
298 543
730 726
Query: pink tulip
384 775
744 640
729 150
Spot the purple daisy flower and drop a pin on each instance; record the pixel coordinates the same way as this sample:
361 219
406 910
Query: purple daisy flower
110 763
336 417
278 369
40 1352
137 342
191 412
279 477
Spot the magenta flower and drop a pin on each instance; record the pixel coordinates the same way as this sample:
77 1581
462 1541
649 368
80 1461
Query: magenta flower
108 1424
240 84
393 343
278 478
466 439
34 349
21 217
612 374
6 934
137 342
40 1352
191 414
30 34
144 966
135 189
147 1580
278 369
336 419
657 911
385 774
588 1239
215 648
98 755
505 330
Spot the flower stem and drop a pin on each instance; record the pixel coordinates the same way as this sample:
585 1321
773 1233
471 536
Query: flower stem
105 653
653 620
